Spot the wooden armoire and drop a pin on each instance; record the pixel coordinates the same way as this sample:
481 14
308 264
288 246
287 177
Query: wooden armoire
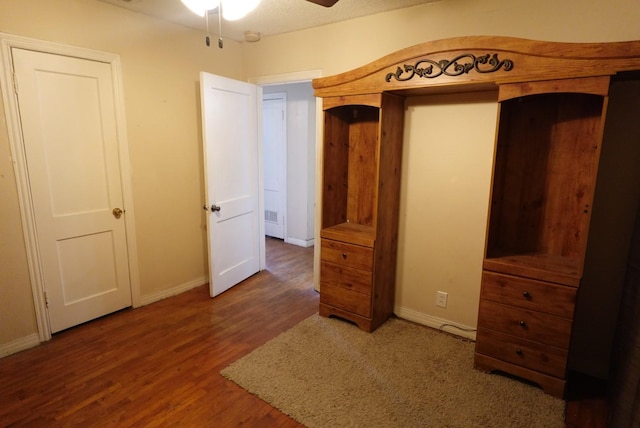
553 101
361 181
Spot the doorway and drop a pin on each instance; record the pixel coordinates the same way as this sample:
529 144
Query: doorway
73 179
293 163
311 166
274 149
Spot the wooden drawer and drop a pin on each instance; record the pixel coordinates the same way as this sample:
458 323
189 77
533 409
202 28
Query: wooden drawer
526 353
532 325
348 300
346 277
345 254
529 294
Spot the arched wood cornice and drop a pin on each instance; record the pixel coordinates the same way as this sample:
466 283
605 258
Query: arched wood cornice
480 62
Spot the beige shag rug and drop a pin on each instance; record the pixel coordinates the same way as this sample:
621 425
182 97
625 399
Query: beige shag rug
327 373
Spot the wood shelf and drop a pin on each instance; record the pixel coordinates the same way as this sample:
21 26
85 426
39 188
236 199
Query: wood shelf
352 233
543 267
547 155
362 156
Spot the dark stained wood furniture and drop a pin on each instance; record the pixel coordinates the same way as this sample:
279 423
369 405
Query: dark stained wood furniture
362 157
553 104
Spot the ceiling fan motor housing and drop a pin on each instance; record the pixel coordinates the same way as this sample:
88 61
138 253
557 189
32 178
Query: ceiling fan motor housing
325 3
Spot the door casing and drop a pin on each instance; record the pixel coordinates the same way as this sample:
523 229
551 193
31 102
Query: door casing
8 42
297 77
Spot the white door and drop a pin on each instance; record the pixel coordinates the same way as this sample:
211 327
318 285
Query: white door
67 109
274 150
231 121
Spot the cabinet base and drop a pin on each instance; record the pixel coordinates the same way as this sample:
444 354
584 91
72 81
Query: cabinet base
363 323
550 385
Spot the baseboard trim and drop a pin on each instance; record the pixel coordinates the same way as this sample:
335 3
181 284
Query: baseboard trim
300 242
435 322
160 295
18 345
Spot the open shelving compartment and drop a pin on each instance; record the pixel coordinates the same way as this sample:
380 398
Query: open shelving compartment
542 245
351 152
547 153
360 203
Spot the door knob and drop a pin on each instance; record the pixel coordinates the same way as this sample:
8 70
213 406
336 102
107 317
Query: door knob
215 208
117 212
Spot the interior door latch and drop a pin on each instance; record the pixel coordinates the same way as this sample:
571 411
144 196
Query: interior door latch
214 208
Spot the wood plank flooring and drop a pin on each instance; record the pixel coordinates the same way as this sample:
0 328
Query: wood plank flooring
159 365
587 402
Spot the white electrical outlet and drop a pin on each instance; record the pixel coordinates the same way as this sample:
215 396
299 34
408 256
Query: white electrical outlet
441 299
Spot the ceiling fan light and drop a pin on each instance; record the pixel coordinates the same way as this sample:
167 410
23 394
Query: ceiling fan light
200 7
232 10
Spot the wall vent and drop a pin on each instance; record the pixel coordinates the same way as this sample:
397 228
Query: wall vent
271 216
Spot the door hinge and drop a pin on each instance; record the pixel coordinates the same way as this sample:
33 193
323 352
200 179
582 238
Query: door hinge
46 301
15 83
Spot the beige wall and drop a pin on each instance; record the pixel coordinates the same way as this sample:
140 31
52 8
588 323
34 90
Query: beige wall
343 46
446 175
160 66
160 63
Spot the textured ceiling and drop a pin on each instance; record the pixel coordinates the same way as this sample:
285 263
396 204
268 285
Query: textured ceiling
270 17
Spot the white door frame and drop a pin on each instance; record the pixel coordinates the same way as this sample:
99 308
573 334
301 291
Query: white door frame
9 41
299 77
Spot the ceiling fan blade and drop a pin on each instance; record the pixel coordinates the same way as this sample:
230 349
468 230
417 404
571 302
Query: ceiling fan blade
325 3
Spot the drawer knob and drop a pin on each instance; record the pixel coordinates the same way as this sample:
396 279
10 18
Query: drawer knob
519 351
526 295
344 255
523 324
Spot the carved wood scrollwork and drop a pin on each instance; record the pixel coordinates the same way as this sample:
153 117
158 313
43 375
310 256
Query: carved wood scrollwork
459 65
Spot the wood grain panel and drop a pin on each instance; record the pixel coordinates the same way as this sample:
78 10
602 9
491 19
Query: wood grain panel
346 277
372 100
529 294
543 267
545 169
532 355
334 167
550 384
362 166
391 133
347 300
532 61
590 85
341 253
530 325
352 233
363 323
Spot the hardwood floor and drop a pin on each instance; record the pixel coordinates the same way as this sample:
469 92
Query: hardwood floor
587 402
159 365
